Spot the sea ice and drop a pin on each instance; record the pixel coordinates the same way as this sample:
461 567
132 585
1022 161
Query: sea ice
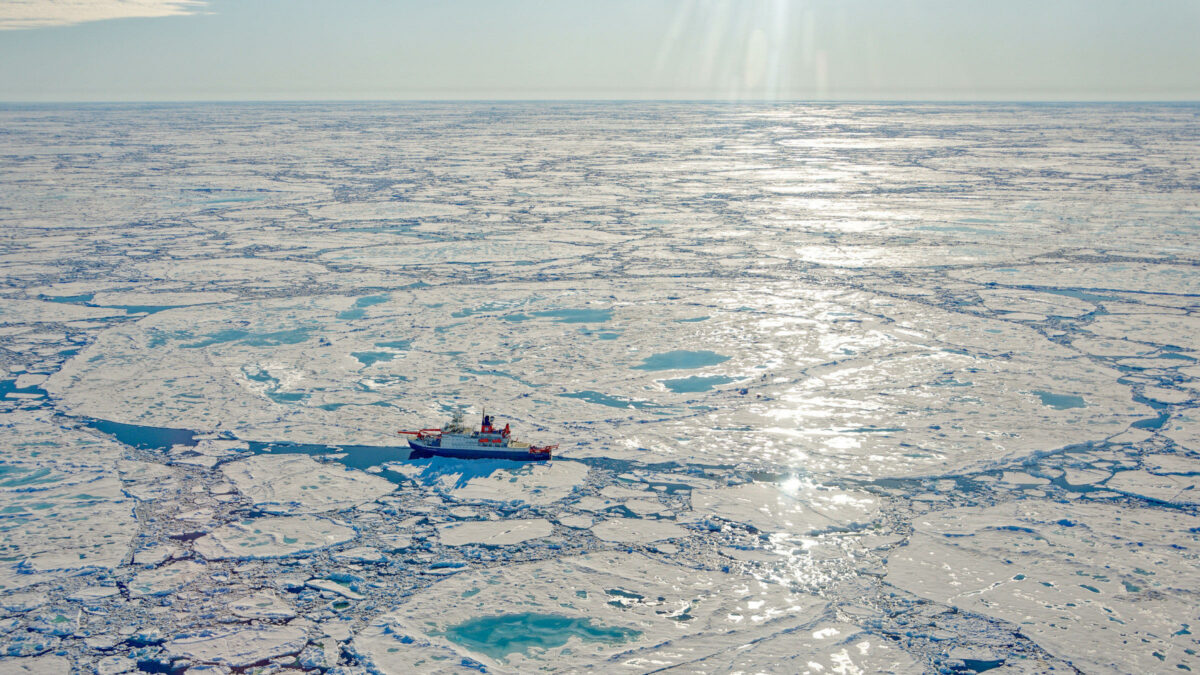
648 606
164 580
263 605
780 333
237 647
493 532
299 484
795 508
533 483
1172 489
637 531
1077 577
272 537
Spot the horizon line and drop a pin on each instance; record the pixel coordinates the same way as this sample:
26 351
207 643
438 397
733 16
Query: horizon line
723 101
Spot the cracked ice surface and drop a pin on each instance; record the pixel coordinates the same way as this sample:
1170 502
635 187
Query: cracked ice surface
836 387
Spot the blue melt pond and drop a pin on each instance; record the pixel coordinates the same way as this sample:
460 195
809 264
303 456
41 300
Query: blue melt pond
577 315
275 339
681 359
499 636
15 476
610 401
1060 401
360 306
367 358
696 383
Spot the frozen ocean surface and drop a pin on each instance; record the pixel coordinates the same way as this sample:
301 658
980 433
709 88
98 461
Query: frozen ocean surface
837 388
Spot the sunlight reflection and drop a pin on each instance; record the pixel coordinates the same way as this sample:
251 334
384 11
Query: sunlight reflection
738 47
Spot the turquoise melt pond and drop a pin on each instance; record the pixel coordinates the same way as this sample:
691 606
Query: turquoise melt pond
1060 401
499 636
681 359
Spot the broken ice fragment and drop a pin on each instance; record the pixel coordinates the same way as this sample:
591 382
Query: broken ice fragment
494 532
263 605
238 647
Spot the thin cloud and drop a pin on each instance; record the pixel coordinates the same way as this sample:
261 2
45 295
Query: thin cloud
19 14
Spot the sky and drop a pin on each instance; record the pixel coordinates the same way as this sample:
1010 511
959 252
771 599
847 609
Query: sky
742 50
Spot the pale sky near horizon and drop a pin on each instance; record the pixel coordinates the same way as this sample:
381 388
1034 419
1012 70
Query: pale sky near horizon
168 50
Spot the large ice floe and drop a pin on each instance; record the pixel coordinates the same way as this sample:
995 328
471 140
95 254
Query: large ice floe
835 388
1078 579
298 484
272 537
607 612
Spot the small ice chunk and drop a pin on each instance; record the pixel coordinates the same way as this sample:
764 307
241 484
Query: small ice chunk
163 580
22 602
114 665
262 605
1021 478
576 522
1085 476
155 555
94 593
1169 488
636 531
359 554
238 647
1171 464
35 665
333 587
29 380
395 542
494 532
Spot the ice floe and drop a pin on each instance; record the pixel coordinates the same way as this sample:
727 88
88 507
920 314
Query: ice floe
493 532
238 647
637 531
164 580
264 605
791 507
299 484
1077 578
272 537
609 609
